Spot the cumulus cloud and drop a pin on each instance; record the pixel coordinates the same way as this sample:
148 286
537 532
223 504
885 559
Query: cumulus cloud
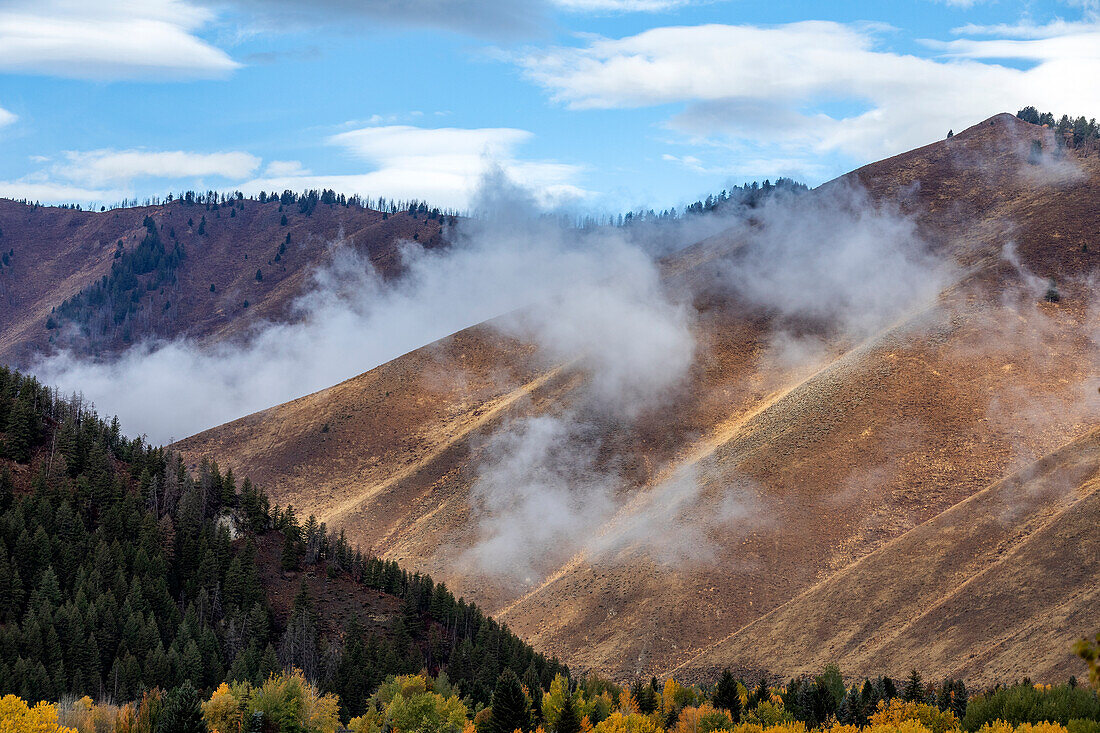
6 117
441 165
763 84
98 167
113 39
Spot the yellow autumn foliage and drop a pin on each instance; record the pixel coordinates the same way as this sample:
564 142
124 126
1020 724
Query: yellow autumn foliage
898 711
703 719
617 722
18 717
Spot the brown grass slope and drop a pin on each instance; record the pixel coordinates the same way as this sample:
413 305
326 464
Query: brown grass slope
1014 567
59 252
838 456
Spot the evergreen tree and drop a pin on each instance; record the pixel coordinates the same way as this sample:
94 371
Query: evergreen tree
760 694
7 488
568 721
289 557
353 681
509 705
914 688
726 697
530 680
959 699
19 434
182 712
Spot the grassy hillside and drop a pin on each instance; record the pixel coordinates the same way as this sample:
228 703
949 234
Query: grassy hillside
842 454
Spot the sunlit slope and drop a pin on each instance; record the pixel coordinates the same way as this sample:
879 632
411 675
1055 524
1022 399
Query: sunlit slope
991 589
884 438
832 456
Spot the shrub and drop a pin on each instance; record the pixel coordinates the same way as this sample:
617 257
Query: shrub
1032 704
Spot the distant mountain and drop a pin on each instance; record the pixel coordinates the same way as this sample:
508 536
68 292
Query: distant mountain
864 461
97 282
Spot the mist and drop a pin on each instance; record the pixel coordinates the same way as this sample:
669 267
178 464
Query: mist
593 301
835 260
351 320
827 267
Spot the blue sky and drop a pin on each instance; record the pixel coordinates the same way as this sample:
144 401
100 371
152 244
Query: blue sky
596 105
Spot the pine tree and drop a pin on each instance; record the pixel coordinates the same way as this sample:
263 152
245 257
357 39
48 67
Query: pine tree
726 697
914 689
289 558
182 712
568 722
530 680
509 705
760 694
20 432
959 699
7 488
353 683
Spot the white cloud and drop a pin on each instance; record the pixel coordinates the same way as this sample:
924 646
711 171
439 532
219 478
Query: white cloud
98 167
1023 29
110 39
49 192
279 168
6 117
442 165
761 84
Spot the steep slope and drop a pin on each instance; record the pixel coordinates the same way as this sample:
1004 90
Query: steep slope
56 254
1015 566
829 457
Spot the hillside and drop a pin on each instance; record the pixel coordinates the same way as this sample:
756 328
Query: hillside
57 254
1015 566
120 572
834 458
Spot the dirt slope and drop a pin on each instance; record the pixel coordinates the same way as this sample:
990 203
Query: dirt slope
56 253
837 458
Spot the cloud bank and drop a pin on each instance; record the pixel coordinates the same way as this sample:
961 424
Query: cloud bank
443 166
762 86
116 39
350 321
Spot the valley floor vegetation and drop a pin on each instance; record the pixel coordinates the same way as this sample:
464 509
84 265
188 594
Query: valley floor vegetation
137 597
287 702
